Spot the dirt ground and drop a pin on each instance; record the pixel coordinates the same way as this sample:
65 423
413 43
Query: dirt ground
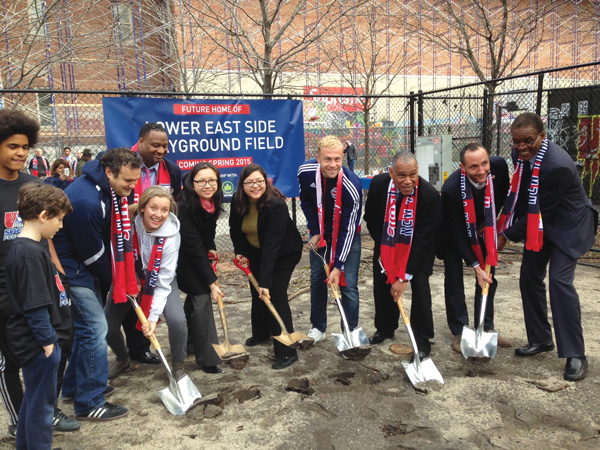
506 403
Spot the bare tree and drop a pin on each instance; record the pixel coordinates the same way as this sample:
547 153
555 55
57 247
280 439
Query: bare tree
369 57
494 37
42 38
265 38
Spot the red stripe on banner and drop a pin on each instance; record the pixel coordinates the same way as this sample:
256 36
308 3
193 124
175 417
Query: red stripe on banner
221 163
185 109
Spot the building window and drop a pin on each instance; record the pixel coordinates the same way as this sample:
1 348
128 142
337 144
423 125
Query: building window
122 20
45 109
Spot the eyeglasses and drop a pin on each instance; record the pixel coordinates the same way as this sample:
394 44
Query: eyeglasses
250 183
201 183
528 143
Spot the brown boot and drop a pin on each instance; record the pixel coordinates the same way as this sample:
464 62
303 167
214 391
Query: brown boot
503 342
456 343
178 370
117 366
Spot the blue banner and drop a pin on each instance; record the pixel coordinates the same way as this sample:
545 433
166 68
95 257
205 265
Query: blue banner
228 133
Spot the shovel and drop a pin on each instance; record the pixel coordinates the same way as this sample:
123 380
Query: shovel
419 370
295 339
479 343
181 394
226 351
347 342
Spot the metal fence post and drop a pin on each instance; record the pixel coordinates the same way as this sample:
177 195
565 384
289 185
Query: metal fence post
484 124
540 89
420 115
411 110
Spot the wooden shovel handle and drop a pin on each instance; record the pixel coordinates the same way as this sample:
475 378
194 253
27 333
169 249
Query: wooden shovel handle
486 286
144 322
403 313
267 302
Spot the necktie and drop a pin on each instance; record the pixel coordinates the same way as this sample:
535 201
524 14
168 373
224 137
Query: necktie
146 181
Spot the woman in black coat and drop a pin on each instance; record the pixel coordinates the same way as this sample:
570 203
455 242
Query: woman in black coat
264 235
199 208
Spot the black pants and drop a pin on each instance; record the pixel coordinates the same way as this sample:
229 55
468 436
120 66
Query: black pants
387 313
264 324
457 314
564 300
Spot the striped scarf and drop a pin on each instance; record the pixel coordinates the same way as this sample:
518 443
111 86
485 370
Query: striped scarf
124 278
535 225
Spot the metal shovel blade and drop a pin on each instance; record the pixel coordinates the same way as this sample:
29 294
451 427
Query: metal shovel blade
478 343
293 340
180 395
227 351
356 338
421 371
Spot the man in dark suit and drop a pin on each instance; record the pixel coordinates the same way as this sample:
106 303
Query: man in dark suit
557 221
475 165
404 177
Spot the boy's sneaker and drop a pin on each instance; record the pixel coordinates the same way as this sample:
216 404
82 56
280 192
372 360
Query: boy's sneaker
107 411
316 335
12 431
62 422
107 393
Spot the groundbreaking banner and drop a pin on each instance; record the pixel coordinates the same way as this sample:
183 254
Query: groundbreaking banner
228 133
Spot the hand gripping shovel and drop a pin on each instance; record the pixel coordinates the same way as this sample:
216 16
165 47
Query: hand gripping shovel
348 342
479 343
181 394
295 339
419 370
226 351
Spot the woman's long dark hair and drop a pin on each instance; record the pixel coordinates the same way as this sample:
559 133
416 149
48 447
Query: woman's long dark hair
190 197
240 202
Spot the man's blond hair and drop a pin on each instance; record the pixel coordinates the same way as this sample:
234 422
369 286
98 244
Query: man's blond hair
328 142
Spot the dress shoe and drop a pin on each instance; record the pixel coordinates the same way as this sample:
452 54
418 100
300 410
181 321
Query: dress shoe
456 343
147 358
422 356
252 341
379 337
211 369
534 349
284 362
576 369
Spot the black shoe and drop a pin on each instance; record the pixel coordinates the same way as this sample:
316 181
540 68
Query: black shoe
534 349
576 369
211 369
107 411
252 341
12 431
379 337
284 362
62 422
422 356
147 358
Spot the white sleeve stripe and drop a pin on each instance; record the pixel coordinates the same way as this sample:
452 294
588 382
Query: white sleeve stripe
95 258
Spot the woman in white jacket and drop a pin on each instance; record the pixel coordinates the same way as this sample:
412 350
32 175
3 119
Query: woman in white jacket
156 244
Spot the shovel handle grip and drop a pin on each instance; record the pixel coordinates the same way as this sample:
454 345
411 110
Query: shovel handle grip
239 265
214 260
142 317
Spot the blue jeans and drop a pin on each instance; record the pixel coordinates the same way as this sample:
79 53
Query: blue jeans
86 377
318 289
351 164
34 428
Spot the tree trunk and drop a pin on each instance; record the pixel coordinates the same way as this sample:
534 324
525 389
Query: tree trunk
367 140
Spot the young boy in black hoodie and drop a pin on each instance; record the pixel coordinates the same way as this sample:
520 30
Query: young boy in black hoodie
40 321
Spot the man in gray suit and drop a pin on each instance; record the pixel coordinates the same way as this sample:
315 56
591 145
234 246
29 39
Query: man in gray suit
549 210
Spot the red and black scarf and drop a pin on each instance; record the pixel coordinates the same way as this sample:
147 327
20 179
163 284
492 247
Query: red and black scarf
489 220
337 213
34 166
149 279
124 278
163 178
535 225
398 233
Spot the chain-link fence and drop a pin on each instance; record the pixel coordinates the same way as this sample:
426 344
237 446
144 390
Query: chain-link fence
568 99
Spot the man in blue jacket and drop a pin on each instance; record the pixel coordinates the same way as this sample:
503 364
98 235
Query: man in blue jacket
331 198
84 249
